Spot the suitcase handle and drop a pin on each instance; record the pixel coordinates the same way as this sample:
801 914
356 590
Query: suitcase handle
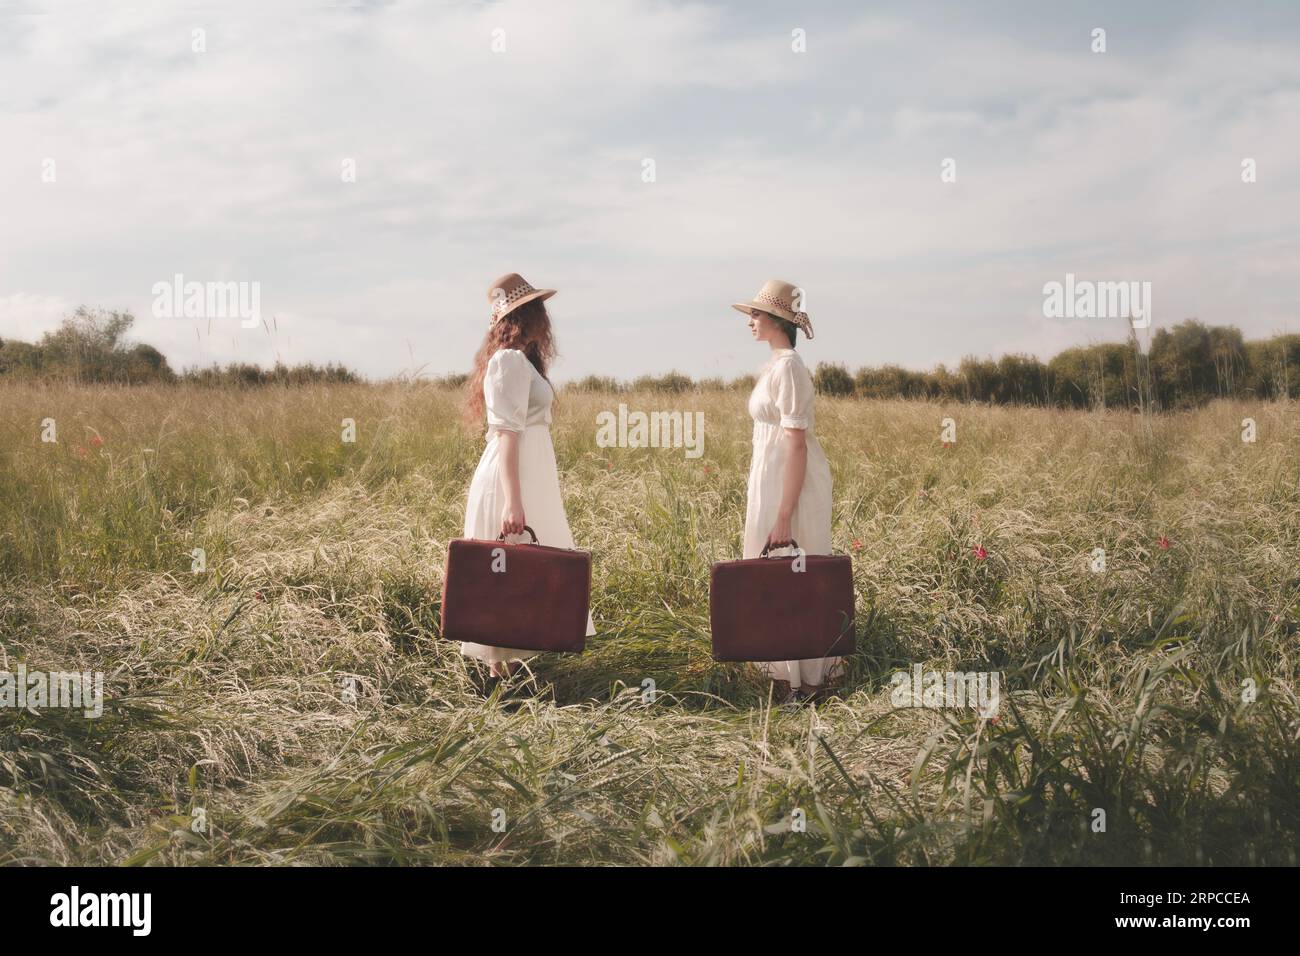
502 535
792 543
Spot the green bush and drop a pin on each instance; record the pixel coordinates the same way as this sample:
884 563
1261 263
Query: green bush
832 379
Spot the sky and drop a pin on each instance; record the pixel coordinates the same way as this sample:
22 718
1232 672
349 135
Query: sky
492 137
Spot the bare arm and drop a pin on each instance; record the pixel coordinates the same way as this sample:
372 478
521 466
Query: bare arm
796 466
512 517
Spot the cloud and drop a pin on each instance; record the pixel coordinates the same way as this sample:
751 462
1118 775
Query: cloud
820 167
26 316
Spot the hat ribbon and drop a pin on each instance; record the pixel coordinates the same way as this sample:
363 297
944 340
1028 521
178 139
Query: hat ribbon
500 302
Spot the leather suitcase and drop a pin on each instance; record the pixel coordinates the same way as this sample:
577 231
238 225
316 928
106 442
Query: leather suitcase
761 609
527 596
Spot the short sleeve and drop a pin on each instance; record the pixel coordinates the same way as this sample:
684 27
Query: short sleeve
506 385
792 393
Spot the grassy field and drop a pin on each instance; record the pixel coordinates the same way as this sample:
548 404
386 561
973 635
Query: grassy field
294 703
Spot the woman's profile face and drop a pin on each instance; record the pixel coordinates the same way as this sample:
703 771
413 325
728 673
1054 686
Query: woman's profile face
762 325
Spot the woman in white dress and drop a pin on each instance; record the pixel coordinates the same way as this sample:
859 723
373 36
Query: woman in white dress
789 496
516 482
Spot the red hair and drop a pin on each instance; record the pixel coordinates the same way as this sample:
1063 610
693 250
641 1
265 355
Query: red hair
528 329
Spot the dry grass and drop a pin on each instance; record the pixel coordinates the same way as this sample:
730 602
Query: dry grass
226 688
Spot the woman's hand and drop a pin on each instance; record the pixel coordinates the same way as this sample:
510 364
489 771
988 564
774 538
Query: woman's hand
780 533
512 518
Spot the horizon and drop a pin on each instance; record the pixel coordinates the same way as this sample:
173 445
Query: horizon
418 375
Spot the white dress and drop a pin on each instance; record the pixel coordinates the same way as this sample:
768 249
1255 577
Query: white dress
783 398
519 400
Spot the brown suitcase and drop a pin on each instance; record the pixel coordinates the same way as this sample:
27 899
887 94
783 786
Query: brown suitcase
536 599
761 609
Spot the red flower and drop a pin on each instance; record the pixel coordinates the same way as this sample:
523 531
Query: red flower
1164 543
708 470
81 452
857 545
96 441
979 552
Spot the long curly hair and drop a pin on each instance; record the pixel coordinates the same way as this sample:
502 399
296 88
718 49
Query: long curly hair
528 329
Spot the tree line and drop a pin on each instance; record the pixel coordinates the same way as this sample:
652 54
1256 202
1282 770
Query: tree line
1186 365
91 346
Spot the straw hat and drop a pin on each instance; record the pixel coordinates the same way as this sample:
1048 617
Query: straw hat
510 292
779 298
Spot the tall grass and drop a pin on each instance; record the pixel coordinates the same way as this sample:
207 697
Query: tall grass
296 694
